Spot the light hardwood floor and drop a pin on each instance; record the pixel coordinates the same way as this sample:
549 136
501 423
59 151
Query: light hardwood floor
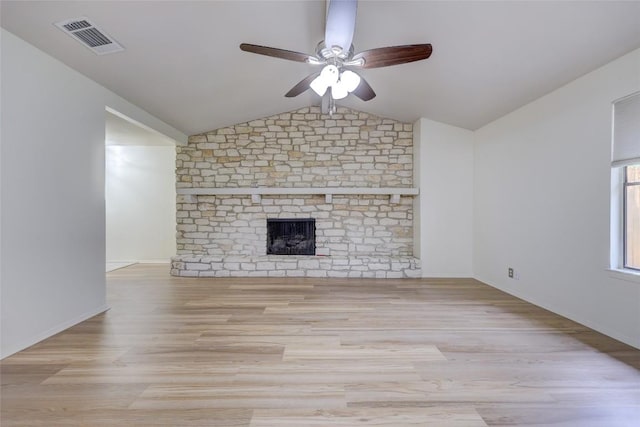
319 352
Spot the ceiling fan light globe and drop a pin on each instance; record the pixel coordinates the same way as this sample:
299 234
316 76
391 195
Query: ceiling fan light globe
339 90
350 80
319 85
330 75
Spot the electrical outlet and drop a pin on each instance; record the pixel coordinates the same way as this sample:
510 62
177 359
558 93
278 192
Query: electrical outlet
510 272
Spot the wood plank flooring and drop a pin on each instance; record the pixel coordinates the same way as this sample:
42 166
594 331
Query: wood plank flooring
319 352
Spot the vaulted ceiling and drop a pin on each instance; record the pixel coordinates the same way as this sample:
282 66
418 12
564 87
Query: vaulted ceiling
183 65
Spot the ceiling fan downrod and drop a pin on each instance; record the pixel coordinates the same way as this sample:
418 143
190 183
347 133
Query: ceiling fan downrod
328 105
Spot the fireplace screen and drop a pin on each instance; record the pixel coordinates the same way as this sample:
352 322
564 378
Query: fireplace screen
291 236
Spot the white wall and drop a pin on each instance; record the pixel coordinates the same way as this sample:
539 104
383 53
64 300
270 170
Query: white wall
443 212
542 202
52 250
140 203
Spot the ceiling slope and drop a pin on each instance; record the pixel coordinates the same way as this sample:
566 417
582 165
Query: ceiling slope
182 61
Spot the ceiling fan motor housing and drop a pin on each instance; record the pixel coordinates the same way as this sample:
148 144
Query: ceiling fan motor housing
327 53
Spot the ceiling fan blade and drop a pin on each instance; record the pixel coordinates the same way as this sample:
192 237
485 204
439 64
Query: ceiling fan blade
302 86
364 91
341 23
393 55
277 53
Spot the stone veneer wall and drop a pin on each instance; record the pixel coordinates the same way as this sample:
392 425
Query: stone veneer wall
356 235
301 149
350 226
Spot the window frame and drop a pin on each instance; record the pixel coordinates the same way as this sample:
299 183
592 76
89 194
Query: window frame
626 184
624 152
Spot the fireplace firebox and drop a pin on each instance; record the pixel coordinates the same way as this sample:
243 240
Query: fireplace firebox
291 236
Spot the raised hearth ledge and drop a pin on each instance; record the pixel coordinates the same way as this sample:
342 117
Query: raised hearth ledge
213 191
295 266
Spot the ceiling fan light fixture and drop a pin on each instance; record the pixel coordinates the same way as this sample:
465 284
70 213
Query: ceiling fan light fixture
330 74
339 90
350 80
328 77
319 86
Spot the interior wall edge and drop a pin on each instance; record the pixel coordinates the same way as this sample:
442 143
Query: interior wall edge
8 350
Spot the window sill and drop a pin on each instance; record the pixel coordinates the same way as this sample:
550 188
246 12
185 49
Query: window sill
627 275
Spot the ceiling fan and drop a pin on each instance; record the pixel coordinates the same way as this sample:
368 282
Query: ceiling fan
336 54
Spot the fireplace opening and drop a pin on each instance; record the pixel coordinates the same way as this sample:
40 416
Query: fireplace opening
291 236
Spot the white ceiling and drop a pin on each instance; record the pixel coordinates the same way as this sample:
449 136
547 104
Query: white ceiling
183 65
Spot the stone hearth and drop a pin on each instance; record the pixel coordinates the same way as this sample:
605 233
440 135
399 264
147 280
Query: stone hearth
295 266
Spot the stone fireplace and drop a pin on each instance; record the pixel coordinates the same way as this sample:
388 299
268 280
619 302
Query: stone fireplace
351 173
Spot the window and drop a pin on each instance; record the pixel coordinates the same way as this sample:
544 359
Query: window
625 189
631 221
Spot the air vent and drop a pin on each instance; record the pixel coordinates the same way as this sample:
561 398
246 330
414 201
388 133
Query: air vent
83 30
76 25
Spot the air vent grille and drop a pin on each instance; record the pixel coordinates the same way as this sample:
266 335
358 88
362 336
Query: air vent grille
92 37
83 30
77 25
